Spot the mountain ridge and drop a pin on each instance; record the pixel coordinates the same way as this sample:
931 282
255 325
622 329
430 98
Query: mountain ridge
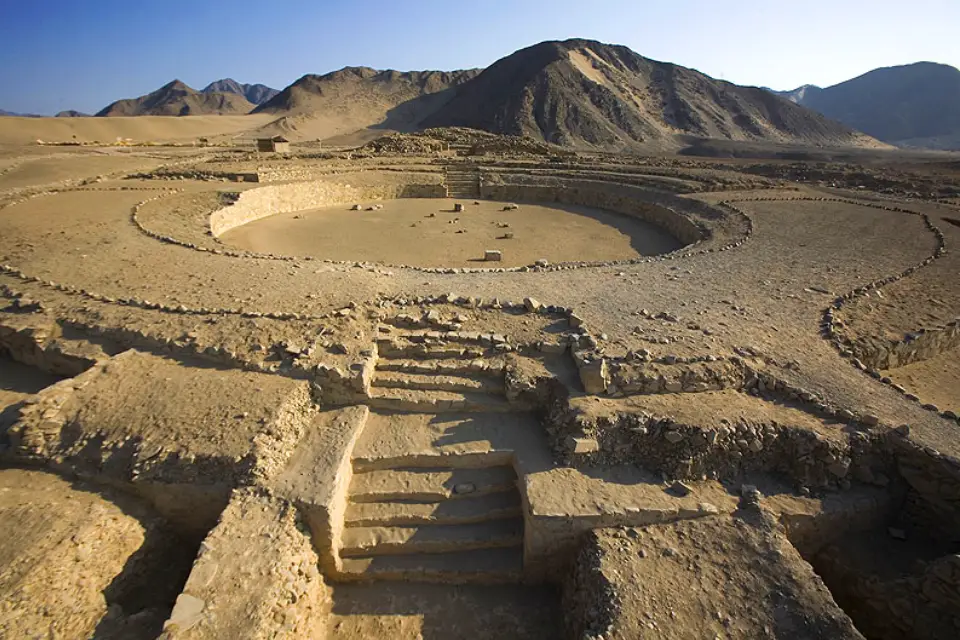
915 104
584 93
178 99
255 94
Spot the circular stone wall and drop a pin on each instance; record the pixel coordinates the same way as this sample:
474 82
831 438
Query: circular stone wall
427 232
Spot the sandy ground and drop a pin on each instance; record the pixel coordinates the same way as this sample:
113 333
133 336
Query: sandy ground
936 380
426 232
15 130
443 612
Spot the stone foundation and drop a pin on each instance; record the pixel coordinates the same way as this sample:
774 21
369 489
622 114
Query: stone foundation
661 209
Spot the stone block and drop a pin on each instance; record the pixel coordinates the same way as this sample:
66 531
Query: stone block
595 376
492 255
583 445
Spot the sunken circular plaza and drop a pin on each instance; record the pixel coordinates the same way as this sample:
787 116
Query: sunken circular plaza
435 232
468 219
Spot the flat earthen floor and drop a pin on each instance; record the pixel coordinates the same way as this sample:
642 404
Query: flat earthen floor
448 612
426 232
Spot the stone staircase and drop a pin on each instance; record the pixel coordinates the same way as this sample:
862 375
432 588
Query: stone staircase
462 181
431 371
459 523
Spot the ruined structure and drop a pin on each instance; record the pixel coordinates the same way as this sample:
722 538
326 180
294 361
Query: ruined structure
707 442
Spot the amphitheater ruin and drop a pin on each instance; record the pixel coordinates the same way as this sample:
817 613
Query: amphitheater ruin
300 398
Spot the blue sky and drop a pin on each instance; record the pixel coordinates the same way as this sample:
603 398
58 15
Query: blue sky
83 54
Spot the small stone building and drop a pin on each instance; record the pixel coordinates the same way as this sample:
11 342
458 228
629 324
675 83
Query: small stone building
276 144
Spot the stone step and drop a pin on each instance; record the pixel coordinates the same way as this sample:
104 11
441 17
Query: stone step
436 401
484 458
440 366
431 538
425 382
413 350
479 566
430 484
430 336
494 506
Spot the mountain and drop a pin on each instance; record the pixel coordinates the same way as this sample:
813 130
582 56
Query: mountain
177 99
18 115
912 105
70 113
359 98
798 95
584 93
254 93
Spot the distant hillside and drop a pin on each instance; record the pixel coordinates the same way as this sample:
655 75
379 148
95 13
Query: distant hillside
584 93
254 93
356 98
177 99
18 115
914 105
70 113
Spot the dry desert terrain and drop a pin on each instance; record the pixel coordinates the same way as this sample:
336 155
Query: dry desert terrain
695 398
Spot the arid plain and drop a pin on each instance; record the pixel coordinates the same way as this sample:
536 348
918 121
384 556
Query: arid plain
290 395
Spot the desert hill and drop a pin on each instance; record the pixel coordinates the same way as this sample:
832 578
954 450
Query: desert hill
584 93
71 113
254 93
177 99
356 98
912 105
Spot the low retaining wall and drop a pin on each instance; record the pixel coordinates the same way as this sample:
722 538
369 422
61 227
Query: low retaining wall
653 207
879 354
255 204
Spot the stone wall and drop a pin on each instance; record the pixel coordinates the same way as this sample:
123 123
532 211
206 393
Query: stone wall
636 375
685 450
255 204
36 341
657 208
589 597
936 480
924 604
256 577
879 354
